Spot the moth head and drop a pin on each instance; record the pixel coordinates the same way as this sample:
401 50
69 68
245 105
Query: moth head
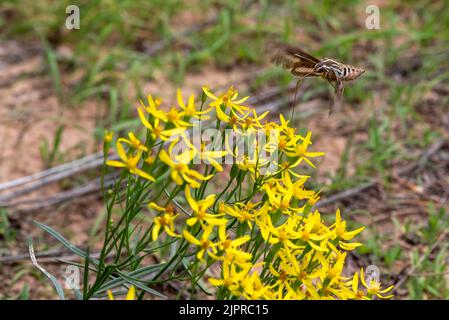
318 67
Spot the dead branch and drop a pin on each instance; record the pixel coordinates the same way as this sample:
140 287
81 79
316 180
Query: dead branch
74 165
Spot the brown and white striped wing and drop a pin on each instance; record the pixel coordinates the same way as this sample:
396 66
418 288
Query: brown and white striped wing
304 72
290 57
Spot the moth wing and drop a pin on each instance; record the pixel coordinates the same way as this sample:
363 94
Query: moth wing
290 57
304 72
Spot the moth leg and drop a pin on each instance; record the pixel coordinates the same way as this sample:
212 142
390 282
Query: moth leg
331 105
339 88
339 93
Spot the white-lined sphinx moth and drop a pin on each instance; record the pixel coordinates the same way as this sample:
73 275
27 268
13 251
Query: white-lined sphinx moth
303 65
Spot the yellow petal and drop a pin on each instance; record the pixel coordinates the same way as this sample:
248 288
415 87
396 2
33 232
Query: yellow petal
209 201
155 232
193 204
215 282
156 207
131 293
216 222
121 152
145 175
241 240
317 248
114 163
221 115
191 221
163 155
355 282
144 120
209 94
362 277
241 100
190 238
179 97
191 102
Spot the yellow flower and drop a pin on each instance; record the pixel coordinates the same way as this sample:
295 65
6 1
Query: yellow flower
108 135
283 137
357 294
189 110
153 107
209 157
291 272
281 283
299 191
280 200
165 222
254 288
286 168
200 211
179 169
226 243
234 255
248 122
300 256
285 233
134 142
290 132
175 116
150 158
245 161
226 100
229 248
205 245
131 295
231 277
245 212
341 233
300 150
130 163
293 267
330 271
250 164
157 131
312 230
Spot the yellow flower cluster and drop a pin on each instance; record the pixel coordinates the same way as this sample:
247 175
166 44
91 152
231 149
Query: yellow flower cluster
261 228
